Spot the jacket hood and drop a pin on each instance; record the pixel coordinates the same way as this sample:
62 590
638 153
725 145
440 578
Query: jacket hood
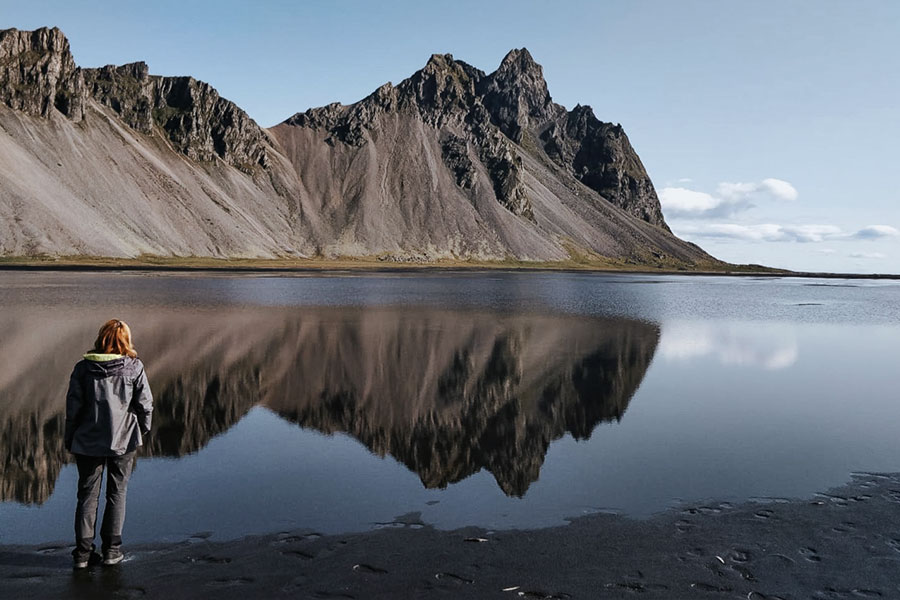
103 365
97 357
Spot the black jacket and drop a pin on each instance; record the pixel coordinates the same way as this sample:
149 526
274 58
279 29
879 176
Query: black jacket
108 406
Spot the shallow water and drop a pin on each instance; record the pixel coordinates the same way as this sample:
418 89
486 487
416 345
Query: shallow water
338 402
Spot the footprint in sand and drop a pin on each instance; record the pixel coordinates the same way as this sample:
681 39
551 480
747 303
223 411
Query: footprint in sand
298 554
637 586
705 587
764 514
740 556
830 592
844 527
781 558
285 538
331 549
834 499
208 560
364 568
744 572
453 577
683 526
810 554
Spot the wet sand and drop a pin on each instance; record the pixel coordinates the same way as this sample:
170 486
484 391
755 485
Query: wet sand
841 544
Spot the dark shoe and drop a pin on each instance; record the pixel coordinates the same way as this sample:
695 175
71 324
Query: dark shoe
112 557
82 559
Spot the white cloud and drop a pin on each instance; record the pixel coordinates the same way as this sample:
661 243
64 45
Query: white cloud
872 255
730 198
771 232
777 188
735 191
809 233
874 232
683 200
765 232
826 251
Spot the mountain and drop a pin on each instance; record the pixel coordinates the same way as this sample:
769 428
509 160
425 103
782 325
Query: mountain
451 163
447 393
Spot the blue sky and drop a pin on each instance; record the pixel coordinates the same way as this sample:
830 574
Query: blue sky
770 128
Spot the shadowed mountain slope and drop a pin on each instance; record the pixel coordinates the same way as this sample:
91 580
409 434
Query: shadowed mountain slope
451 163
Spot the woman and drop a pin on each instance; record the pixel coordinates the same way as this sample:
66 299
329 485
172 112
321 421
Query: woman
108 409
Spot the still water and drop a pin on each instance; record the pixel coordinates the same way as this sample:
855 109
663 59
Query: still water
339 402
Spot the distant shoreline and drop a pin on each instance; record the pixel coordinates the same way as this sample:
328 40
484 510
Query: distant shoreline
301 266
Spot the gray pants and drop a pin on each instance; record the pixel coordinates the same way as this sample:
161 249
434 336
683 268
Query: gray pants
90 475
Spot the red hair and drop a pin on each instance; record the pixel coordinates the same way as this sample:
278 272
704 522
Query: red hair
115 338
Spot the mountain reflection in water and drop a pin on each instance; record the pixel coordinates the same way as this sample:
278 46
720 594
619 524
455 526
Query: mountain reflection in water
447 393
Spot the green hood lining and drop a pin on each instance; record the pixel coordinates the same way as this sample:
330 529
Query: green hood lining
96 357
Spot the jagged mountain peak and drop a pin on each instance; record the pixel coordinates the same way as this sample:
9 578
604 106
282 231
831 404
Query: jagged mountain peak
444 87
516 94
520 60
439 61
445 66
585 112
42 37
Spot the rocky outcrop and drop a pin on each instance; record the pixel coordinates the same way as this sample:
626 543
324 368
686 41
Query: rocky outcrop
600 156
38 74
516 95
127 90
202 125
443 91
197 121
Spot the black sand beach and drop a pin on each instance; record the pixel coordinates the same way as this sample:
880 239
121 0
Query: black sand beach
840 544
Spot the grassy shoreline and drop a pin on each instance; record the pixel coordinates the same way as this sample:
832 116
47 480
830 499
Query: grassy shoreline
374 264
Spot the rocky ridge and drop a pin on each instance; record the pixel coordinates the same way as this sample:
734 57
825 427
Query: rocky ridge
493 110
197 121
38 74
451 163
